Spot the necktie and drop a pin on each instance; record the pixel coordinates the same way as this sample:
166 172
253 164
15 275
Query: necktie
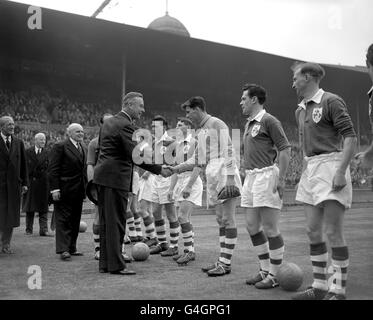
7 142
80 149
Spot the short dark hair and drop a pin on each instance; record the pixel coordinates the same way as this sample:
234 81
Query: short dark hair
255 90
160 118
194 102
129 96
370 55
313 69
185 121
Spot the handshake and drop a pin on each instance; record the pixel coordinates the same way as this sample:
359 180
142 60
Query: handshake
168 171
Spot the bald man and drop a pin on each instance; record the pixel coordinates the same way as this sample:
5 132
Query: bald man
36 198
68 179
13 181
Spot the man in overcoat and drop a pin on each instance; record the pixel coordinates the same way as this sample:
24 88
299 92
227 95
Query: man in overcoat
13 181
36 198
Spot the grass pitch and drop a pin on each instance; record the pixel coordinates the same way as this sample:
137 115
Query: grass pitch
161 278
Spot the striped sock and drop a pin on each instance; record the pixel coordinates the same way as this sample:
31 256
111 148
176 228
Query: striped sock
138 226
230 243
131 227
192 237
319 259
222 240
149 227
340 263
276 253
187 232
261 248
160 228
174 233
96 236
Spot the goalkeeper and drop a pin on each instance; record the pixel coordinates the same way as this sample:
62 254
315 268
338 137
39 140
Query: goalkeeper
223 187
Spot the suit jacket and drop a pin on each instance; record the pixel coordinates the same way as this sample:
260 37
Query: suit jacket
114 165
68 171
36 198
13 175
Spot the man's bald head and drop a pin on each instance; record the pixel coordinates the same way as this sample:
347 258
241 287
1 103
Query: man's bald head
40 140
75 132
7 125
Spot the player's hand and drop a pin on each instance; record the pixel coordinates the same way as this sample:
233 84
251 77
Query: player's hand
24 189
56 196
279 187
170 195
339 181
173 169
166 172
186 192
230 189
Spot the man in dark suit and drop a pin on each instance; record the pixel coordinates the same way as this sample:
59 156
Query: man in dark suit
113 175
36 198
68 179
13 181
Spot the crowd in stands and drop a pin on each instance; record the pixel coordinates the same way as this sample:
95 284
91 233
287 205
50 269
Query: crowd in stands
41 108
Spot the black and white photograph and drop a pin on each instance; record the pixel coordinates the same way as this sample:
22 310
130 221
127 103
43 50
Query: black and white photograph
187 156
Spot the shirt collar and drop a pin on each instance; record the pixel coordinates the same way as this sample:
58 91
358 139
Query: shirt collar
258 116
129 117
5 137
370 92
74 142
316 98
204 120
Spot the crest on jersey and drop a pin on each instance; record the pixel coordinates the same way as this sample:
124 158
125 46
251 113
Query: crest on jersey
316 114
255 130
186 148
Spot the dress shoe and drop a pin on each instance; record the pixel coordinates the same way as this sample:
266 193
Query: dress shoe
7 250
124 272
65 255
103 270
46 234
77 253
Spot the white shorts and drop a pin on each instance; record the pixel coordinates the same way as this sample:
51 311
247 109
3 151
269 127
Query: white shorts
315 185
145 188
135 183
258 186
197 189
155 189
216 177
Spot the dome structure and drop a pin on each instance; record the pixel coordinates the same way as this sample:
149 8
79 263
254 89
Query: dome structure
169 24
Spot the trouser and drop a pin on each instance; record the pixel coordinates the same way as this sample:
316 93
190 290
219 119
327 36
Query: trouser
67 219
43 222
6 236
112 205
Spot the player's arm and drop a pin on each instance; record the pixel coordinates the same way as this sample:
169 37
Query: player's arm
282 144
90 171
90 160
174 179
342 122
226 149
193 177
